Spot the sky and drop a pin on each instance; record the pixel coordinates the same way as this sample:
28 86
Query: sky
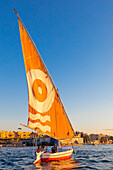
75 40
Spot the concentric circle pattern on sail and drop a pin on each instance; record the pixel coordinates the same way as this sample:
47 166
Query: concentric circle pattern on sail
41 92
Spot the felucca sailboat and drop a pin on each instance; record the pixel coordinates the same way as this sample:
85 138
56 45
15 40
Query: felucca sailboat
46 110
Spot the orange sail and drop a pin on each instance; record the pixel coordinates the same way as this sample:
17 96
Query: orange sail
46 110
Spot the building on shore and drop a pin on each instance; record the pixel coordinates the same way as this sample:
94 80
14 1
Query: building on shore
78 138
100 139
19 135
21 138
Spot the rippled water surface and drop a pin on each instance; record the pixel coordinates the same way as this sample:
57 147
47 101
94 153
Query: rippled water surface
86 157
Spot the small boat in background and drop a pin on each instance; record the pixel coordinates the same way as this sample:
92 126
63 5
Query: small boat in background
46 110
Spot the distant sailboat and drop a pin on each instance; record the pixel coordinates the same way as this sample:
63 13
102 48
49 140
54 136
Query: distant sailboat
46 110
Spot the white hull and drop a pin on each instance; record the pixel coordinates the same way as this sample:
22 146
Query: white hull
62 154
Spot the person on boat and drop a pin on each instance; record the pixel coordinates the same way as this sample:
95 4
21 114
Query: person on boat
39 148
46 149
43 148
54 148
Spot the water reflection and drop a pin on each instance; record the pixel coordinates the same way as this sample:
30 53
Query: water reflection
63 164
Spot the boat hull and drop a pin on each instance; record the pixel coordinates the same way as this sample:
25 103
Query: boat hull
48 157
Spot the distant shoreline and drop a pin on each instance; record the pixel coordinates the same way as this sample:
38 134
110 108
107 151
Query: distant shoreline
19 145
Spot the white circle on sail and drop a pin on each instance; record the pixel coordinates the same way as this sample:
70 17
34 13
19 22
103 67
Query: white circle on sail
44 106
40 90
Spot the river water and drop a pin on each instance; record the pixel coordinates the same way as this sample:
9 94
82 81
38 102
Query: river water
86 157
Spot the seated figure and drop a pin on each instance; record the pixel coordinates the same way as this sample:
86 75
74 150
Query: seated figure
38 150
54 148
46 149
43 148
